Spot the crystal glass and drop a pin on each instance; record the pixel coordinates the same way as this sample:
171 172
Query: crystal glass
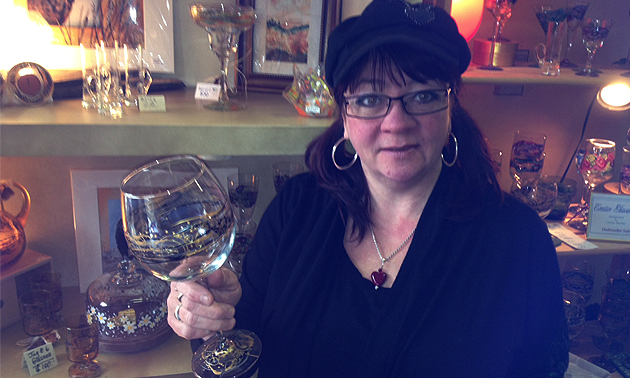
501 10
578 275
284 170
223 23
595 160
243 191
527 156
575 313
614 316
576 11
540 195
179 224
82 346
594 32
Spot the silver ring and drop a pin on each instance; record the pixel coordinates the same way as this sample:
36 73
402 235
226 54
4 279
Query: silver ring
177 312
180 296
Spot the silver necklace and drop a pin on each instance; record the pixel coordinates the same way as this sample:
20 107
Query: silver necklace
378 276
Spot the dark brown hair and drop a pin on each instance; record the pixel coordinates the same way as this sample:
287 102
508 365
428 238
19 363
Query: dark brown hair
474 173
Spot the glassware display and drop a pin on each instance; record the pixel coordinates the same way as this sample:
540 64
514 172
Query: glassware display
501 10
243 192
36 311
223 23
594 32
614 316
82 346
595 160
576 9
179 224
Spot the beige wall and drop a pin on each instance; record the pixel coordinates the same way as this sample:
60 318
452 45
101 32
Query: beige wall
558 110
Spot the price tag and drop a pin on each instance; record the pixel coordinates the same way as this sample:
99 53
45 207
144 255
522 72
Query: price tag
39 359
153 103
207 91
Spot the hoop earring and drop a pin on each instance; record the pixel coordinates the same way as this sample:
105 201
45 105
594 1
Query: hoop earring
334 149
452 163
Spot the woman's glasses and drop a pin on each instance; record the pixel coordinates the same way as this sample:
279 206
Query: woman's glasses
372 105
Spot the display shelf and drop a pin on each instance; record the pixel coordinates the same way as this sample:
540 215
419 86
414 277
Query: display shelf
268 126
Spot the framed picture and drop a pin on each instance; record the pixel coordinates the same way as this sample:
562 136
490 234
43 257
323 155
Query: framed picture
147 22
97 210
286 33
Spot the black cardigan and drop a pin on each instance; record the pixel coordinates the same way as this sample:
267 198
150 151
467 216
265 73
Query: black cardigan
475 298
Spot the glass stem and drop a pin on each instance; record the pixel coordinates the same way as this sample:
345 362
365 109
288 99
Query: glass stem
589 60
494 40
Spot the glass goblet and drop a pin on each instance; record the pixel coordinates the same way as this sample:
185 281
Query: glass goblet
82 346
527 156
578 275
223 23
501 10
243 192
594 32
540 195
595 160
284 170
576 11
614 316
179 224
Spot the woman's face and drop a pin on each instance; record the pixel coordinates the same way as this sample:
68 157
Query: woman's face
399 147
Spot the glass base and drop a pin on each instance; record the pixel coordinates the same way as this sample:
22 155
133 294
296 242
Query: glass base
232 353
88 369
567 63
490 68
225 106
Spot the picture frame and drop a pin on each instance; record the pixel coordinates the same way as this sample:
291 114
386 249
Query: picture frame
268 67
156 23
95 217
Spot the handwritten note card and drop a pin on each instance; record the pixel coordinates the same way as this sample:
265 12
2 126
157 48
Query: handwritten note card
39 359
609 217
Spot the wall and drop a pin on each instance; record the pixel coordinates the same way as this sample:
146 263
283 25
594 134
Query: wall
558 110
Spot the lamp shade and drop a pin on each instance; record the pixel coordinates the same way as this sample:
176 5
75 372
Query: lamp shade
615 96
467 15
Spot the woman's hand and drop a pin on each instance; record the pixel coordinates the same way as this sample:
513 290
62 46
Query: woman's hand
198 311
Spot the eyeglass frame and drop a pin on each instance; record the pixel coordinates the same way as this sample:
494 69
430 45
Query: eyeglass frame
389 103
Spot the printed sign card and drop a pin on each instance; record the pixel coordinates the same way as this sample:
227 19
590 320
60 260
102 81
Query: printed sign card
609 217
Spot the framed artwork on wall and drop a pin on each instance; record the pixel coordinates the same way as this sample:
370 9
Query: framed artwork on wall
147 22
286 33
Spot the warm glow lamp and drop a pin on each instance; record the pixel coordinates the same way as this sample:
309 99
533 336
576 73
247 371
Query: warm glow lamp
615 96
468 15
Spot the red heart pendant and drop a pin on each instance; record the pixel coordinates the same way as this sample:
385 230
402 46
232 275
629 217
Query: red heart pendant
378 278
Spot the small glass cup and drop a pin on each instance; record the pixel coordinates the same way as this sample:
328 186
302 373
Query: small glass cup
36 310
282 171
566 191
624 175
49 281
82 345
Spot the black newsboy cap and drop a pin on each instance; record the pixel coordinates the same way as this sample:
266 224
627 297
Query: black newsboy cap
421 27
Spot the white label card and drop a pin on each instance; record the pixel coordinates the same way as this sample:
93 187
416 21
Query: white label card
153 103
609 217
40 359
207 91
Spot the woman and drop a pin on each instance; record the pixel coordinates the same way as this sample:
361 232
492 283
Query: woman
404 259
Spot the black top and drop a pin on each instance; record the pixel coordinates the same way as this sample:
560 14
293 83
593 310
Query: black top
476 298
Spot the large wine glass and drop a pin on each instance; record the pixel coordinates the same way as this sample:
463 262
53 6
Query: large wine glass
501 10
595 161
594 32
179 224
576 11
223 23
614 316
540 195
